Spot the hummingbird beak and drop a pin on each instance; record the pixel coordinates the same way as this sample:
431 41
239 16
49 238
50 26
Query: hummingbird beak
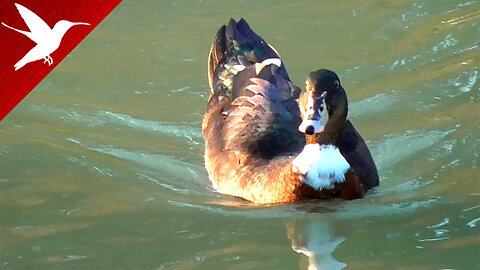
81 23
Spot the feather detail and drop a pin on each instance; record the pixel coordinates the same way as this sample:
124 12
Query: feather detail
322 166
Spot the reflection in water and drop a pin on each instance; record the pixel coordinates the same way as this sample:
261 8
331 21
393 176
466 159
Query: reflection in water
315 239
104 155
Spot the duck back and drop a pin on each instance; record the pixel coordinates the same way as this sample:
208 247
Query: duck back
252 108
251 121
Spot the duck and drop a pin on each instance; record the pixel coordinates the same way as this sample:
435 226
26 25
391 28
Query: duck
268 141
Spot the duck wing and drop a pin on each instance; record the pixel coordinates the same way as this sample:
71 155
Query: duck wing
252 109
355 151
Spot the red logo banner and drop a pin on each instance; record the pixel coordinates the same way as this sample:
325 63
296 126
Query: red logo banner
37 35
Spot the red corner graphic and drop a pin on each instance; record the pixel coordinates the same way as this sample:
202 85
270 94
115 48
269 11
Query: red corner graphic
40 30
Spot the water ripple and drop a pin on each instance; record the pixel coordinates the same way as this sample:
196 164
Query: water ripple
465 81
192 134
169 168
101 118
162 163
374 104
473 223
399 147
343 211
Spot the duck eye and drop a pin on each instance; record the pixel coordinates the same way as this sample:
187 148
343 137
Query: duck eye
336 84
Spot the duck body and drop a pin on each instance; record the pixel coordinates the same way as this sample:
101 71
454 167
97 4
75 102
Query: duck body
253 147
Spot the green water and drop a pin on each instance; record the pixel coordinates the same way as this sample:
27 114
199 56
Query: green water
101 165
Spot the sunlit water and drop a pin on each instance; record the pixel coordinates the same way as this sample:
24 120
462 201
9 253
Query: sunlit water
101 165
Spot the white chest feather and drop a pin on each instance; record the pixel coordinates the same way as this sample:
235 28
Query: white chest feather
322 166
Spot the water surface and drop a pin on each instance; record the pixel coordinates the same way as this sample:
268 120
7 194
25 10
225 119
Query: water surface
101 165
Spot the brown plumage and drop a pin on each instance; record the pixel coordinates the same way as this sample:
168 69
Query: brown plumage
251 126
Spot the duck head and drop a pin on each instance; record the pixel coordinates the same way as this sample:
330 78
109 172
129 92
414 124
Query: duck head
324 107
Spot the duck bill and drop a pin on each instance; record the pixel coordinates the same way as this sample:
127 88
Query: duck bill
314 118
314 112
310 127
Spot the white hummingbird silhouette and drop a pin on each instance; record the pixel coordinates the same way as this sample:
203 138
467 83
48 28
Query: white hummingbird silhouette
48 40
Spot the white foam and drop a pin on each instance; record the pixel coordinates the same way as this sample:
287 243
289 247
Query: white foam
322 166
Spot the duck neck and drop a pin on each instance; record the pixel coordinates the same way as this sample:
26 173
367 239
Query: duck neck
332 133
325 138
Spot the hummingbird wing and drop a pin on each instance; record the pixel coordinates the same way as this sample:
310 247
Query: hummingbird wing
38 28
36 53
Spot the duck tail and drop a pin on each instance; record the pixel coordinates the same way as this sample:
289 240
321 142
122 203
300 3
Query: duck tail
216 55
237 46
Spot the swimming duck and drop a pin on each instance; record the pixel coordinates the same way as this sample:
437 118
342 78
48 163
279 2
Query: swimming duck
266 140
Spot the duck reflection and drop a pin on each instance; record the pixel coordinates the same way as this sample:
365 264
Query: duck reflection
315 239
